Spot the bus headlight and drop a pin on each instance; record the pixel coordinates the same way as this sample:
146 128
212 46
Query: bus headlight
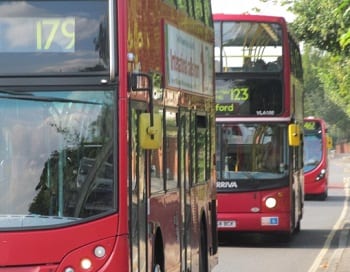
271 202
99 251
85 264
321 175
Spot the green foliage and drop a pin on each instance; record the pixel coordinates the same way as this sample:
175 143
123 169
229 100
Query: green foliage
345 40
327 81
344 11
313 90
318 23
324 28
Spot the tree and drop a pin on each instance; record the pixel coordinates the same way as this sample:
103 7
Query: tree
319 23
314 94
324 28
344 11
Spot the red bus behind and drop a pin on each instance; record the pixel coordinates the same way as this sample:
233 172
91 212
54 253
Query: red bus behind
315 158
259 117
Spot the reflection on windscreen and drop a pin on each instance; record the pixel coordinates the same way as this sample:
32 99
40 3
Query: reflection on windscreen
250 150
248 47
312 151
56 161
54 37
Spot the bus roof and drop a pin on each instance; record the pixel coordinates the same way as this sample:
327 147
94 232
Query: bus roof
248 17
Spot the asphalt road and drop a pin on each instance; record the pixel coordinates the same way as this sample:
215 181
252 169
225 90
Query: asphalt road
319 245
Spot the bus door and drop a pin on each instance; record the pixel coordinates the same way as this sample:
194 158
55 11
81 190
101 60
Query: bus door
137 193
185 196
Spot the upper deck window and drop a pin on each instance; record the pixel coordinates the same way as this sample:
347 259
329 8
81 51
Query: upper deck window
45 37
197 9
248 47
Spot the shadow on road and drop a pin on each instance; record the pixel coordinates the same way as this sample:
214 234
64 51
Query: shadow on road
309 238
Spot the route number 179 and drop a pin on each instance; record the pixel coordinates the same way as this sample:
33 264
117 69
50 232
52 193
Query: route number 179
55 34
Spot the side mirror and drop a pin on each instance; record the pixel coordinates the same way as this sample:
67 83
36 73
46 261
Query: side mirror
150 136
140 82
150 124
294 135
329 142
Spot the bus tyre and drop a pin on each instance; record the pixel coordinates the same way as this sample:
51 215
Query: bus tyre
324 195
203 249
297 227
158 261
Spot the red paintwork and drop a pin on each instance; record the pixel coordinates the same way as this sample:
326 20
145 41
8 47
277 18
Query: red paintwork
313 186
55 249
66 245
237 205
288 102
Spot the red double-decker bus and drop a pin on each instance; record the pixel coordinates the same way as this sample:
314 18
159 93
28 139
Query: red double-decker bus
259 122
107 136
316 146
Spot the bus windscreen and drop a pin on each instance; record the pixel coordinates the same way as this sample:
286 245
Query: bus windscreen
313 145
57 157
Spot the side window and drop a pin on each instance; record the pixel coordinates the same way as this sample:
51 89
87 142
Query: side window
295 59
201 149
172 2
198 9
218 45
171 149
193 156
157 169
208 19
181 5
190 8
301 155
292 56
184 148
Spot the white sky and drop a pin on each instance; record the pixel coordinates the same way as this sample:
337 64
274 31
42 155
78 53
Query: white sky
243 6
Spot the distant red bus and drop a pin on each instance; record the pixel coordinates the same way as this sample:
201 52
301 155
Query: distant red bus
107 136
259 122
315 158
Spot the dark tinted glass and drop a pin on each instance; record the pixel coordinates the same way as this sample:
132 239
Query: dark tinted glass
249 97
53 37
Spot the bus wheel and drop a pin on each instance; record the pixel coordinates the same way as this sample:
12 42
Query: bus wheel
297 227
203 249
324 195
158 263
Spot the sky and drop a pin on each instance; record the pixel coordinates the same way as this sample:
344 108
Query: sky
243 6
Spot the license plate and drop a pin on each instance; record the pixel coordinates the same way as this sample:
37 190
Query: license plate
227 224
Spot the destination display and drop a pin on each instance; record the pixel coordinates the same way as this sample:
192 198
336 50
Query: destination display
37 34
50 37
248 97
312 126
